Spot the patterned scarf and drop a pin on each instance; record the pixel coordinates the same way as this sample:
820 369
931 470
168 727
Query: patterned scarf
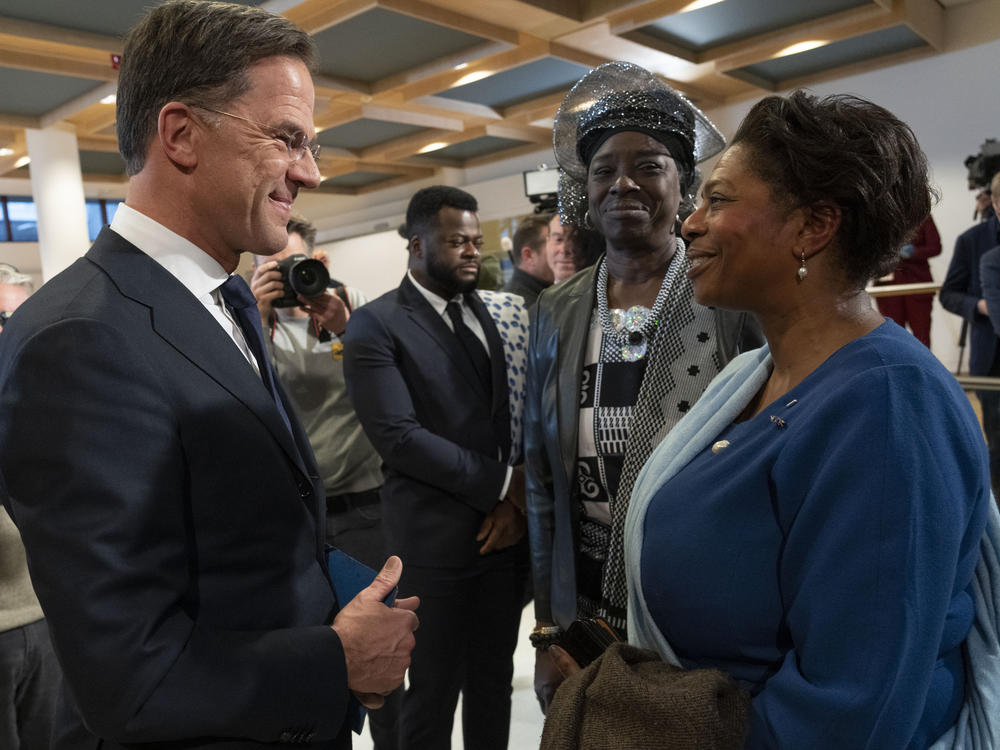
683 359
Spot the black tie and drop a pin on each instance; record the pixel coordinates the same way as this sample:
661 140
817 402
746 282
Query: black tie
472 345
242 305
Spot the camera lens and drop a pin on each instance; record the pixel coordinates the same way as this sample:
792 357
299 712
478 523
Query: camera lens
309 278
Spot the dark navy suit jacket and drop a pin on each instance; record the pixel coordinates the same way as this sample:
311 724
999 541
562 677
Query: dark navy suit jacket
443 439
962 290
173 524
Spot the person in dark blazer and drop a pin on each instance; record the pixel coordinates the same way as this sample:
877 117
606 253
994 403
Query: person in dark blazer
962 294
425 369
532 272
167 496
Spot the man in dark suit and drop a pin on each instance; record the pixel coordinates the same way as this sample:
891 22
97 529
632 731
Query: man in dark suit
962 294
532 272
167 496
426 373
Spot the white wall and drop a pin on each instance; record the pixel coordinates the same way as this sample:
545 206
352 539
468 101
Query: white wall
374 263
951 101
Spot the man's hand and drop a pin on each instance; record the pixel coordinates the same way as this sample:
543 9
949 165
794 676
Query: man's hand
981 307
328 310
266 287
502 527
377 639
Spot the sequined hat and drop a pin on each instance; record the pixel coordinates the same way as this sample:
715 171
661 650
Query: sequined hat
619 96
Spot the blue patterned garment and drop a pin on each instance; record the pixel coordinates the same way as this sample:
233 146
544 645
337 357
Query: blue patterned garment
511 318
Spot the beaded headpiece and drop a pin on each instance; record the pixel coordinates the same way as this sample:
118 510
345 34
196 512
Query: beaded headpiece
616 97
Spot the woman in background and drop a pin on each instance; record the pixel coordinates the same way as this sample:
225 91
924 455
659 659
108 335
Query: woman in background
812 526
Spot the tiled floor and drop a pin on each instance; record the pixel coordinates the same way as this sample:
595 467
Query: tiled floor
526 718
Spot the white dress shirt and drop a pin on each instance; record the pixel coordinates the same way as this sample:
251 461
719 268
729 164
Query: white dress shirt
200 273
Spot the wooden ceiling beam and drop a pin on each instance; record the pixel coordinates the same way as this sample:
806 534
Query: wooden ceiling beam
527 134
19 121
628 19
465 110
57 65
510 153
59 35
409 145
832 28
926 19
338 114
339 84
314 16
410 117
528 50
463 61
82 102
536 109
97 143
435 14
401 180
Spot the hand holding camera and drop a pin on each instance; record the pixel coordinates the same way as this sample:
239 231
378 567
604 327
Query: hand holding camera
299 282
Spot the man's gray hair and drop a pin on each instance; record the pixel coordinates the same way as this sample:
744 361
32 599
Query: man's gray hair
10 275
198 53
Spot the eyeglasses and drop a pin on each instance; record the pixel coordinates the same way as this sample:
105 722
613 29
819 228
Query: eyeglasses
4 317
297 143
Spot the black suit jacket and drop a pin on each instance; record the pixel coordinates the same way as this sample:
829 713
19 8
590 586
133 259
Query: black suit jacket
962 290
444 441
172 522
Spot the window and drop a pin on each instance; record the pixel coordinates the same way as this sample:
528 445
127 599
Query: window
22 218
19 218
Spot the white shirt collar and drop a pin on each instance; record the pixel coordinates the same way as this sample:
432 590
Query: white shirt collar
436 301
199 272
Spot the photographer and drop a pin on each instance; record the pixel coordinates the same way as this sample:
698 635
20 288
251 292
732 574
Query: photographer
303 341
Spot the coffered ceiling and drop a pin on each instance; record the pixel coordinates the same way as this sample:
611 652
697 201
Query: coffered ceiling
405 87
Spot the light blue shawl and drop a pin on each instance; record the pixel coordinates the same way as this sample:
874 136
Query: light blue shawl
978 726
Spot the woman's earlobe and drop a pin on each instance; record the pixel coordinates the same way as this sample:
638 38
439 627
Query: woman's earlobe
822 222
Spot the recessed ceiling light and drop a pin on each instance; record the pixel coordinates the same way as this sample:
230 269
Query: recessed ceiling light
23 161
432 147
795 49
698 5
476 75
109 99
6 151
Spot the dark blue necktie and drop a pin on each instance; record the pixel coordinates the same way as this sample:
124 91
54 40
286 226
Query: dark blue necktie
471 344
242 305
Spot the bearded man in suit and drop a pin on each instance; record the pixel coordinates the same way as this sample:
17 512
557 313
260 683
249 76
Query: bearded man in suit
426 368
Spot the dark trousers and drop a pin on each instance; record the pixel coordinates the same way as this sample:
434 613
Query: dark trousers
354 525
468 630
29 683
989 402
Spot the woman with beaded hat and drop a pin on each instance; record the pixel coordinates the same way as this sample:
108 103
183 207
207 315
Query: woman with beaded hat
619 351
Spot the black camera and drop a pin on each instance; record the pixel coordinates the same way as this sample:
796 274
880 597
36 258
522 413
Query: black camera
984 165
301 275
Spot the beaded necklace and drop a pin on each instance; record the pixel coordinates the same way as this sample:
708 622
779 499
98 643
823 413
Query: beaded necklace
633 329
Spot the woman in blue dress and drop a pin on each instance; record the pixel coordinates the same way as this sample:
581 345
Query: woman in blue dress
814 525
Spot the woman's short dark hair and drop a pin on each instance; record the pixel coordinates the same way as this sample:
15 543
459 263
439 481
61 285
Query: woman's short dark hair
199 53
853 153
